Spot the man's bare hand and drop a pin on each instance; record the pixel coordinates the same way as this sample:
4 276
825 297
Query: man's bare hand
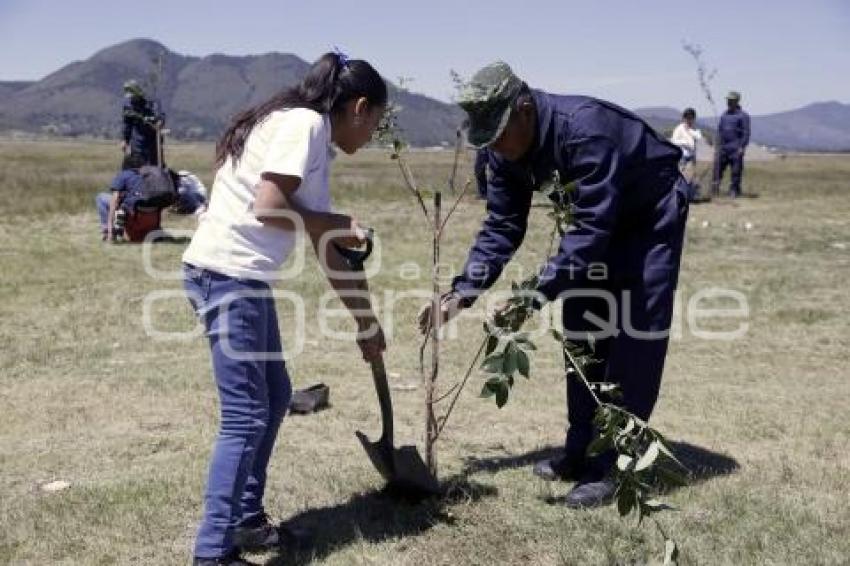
450 305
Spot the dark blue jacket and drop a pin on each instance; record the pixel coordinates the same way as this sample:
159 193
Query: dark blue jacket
622 168
734 129
128 183
139 126
480 170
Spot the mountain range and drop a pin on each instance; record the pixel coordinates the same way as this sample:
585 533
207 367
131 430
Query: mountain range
821 126
200 94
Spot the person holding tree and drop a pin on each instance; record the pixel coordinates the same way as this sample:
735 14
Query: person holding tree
618 262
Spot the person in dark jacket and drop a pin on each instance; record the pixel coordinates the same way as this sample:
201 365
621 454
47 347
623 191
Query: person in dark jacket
110 204
142 121
734 133
630 208
480 170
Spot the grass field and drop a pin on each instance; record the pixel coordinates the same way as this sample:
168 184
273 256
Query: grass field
86 396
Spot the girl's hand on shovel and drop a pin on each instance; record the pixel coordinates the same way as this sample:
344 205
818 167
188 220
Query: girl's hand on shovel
370 339
354 234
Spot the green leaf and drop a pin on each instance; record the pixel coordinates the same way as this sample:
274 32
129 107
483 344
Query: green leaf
662 445
671 553
522 363
509 359
492 343
487 391
502 395
647 458
599 445
669 477
626 499
493 363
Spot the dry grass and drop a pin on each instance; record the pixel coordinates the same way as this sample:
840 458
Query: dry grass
87 397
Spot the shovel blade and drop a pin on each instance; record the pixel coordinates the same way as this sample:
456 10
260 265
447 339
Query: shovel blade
380 454
403 469
411 472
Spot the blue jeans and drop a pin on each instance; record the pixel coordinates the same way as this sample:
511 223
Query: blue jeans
254 392
101 201
189 200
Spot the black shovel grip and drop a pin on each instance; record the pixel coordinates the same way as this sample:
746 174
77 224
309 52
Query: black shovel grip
356 258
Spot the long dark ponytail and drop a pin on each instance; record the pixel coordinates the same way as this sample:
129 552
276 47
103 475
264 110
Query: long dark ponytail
332 81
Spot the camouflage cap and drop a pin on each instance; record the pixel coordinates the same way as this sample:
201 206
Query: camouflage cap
733 95
132 87
487 100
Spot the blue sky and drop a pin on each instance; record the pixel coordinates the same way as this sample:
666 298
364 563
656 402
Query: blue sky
780 54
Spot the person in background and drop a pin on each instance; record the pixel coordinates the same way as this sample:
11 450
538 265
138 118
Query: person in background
685 136
191 194
142 122
734 133
481 172
619 262
109 202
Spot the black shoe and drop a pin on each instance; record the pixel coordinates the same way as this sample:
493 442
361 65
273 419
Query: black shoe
259 535
564 468
232 559
306 401
591 492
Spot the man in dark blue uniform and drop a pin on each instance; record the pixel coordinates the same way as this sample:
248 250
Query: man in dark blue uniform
618 263
734 131
141 124
480 170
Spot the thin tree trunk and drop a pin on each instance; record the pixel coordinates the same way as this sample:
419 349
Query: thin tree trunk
431 427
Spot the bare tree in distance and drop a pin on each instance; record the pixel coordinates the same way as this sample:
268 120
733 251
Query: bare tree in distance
705 76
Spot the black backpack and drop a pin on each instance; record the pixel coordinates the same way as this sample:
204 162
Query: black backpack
157 188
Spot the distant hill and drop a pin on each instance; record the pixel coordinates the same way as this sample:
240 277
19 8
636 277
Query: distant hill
822 126
198 94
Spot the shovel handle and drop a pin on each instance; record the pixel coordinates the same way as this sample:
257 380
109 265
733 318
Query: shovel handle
382 388
355 259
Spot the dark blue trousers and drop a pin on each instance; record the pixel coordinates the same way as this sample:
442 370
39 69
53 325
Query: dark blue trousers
732 159
254 392
637 301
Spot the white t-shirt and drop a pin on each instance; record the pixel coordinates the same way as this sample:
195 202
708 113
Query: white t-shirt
229 239
686 138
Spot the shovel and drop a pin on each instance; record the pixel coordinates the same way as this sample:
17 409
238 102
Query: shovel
402 468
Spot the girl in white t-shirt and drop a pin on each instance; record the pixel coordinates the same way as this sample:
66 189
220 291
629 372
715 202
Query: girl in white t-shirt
272 182
686 136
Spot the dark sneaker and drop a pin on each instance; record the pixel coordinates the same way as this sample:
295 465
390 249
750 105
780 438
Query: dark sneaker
306 401
563 468
259 535
590 493
232 559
